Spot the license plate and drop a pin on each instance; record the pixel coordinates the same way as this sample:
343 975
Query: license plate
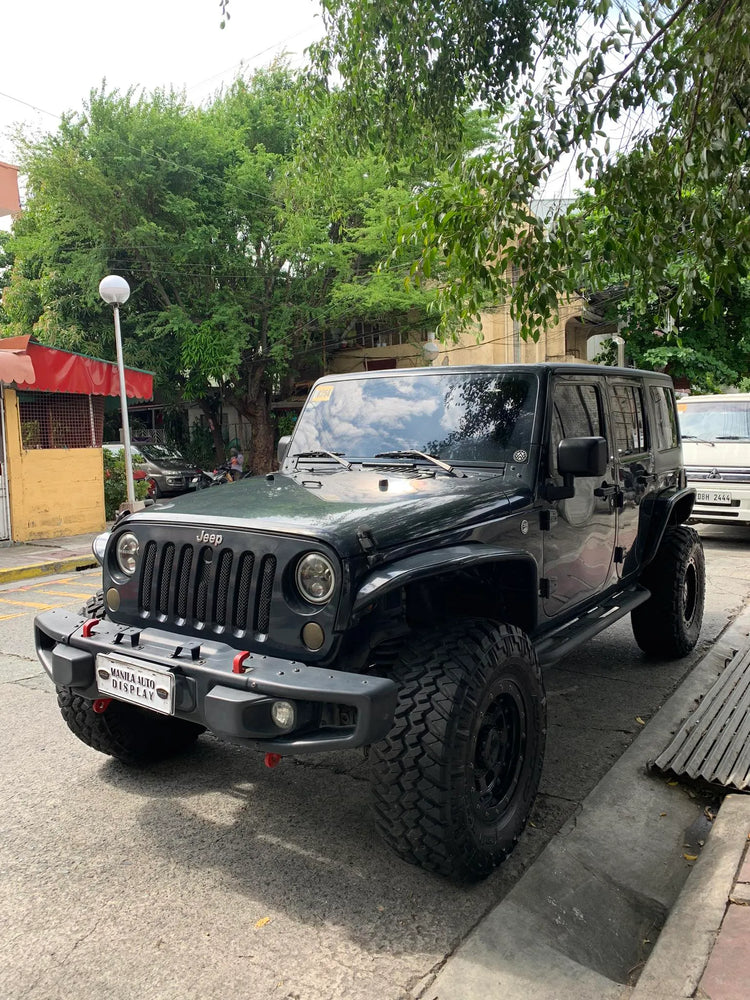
128 680
711 497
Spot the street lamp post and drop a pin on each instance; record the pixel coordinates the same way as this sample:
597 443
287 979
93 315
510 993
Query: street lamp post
115 290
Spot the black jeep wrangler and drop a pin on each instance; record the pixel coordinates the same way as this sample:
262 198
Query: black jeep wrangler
433 538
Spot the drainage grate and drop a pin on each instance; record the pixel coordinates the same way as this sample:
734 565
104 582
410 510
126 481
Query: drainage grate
713 744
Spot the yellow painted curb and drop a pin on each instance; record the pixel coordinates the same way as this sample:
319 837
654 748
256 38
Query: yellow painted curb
12 573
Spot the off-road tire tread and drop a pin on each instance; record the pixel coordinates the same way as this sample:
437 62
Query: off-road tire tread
658 624
440 677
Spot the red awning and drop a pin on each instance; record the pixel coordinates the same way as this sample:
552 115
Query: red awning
28 365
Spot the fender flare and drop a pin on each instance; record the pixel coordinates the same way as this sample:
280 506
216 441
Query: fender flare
428 564
668 509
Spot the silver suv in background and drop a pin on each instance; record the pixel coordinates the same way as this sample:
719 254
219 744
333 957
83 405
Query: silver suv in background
716 446
170 472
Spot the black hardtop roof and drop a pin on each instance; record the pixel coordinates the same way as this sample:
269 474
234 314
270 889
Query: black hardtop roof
542 367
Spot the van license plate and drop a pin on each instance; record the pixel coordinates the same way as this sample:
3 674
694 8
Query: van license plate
128 680
715 498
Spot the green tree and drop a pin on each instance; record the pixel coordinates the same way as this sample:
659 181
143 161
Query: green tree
183 202
647 100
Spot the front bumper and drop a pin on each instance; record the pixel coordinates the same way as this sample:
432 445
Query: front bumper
235 706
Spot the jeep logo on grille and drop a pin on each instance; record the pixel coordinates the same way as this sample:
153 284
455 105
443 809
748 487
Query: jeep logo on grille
209 539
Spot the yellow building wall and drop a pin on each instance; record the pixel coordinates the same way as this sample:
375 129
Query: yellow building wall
497 345
53 492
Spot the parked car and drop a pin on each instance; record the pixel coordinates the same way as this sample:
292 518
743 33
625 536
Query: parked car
432 540
716 445
170 473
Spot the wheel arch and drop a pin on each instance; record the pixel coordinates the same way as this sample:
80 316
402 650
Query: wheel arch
667 511
498 576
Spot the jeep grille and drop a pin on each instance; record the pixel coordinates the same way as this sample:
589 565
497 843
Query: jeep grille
196 586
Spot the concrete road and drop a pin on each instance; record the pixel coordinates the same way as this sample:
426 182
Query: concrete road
211 876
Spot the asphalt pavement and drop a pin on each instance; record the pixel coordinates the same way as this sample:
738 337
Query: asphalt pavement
644 893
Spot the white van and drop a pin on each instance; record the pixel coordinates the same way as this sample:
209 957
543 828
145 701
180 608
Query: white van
716 449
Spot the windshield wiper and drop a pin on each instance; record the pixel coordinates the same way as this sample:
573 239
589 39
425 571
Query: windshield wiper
694 437
417 454
732 437
322 453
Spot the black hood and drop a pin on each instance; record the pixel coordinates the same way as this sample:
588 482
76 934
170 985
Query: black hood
335 506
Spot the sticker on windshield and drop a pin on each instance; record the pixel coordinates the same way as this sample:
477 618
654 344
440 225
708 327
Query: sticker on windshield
322 394
520 455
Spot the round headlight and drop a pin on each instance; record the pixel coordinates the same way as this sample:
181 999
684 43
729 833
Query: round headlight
316 578
126 551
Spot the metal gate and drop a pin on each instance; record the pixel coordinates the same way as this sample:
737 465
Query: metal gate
4 504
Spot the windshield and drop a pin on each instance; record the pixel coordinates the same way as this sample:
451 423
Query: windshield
470 417
719 420
161 453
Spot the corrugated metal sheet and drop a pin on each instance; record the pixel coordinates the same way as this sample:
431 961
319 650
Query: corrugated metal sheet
713 745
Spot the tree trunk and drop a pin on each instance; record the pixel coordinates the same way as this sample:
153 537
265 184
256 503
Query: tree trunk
255 405
262 458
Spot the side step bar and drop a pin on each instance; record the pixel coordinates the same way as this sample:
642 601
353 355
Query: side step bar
553 646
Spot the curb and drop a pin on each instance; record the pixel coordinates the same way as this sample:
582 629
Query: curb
679 958
13 573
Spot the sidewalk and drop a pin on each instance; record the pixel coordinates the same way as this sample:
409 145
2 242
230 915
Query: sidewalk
637 897
24 560
703 950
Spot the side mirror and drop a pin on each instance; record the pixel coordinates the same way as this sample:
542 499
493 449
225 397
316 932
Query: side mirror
282 447
584 456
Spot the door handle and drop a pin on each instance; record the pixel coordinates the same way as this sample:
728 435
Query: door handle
606 490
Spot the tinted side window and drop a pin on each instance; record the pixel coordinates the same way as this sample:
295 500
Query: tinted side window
665 418
628 420
576 412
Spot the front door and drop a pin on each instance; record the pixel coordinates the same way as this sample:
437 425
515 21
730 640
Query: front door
579 542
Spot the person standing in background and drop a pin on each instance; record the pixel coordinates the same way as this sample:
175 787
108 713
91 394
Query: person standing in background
236 462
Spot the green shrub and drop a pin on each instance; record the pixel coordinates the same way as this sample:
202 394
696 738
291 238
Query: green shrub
115 490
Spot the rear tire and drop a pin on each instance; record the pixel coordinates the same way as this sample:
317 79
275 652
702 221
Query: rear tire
454 781
668 624
132 734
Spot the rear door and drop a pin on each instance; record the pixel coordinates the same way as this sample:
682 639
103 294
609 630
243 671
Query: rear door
634 463
579 542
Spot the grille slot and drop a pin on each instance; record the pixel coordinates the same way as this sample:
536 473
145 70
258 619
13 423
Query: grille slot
147 579
183 581
221 597
201 589
265 592
242 591
165 577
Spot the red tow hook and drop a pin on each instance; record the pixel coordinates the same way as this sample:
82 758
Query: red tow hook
272 759
101 705
88 627
238 663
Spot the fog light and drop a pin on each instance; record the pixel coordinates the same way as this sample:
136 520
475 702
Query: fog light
283 714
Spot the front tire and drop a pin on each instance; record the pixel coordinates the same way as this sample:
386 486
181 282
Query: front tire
132 734
454 781
668 624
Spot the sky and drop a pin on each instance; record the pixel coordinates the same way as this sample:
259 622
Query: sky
53 52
